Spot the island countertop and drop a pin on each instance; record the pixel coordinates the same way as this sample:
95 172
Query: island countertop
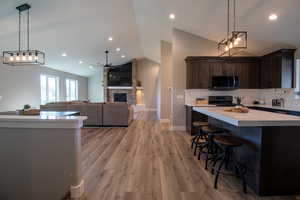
253 118
44 120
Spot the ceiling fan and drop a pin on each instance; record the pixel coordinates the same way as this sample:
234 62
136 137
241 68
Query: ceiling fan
107 65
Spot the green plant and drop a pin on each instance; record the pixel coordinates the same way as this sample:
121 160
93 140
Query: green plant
26 107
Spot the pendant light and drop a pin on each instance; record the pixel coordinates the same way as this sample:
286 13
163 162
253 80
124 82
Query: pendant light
23 57
235 41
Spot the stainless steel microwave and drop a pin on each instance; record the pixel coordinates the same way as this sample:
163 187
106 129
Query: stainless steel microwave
225 82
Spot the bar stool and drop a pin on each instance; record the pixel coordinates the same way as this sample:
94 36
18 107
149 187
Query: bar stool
199 135
210 146
228 143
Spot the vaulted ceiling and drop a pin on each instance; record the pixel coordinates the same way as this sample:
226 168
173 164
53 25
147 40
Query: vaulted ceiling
81 28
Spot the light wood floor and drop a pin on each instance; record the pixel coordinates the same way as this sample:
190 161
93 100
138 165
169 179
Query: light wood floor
148 162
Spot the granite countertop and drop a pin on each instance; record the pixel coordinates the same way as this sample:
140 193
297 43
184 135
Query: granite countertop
253 118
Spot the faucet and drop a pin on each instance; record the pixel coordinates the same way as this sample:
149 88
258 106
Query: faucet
282 102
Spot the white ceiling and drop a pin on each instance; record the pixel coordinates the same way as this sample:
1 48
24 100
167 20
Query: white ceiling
81 28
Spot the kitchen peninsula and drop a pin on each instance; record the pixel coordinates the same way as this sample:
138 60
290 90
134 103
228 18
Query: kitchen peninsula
40 155
271 148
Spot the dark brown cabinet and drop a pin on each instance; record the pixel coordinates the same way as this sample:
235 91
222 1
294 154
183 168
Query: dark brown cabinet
275 70
198 73
200 70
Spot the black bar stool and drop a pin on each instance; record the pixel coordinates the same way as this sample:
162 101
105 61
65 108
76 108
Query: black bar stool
199 135
228 143
209 145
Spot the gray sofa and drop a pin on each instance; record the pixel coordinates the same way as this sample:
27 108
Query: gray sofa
99 114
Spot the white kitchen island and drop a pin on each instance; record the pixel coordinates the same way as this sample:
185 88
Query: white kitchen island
253 118
270 149
40 156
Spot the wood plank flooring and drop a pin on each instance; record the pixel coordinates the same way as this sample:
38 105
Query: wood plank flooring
146 161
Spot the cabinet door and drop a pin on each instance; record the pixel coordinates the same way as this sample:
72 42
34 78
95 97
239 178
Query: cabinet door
197 75
275 70
287 77
216 68
243 74
265 72
254 75
231 69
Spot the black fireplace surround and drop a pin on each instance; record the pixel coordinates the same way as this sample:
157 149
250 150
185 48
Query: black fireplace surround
120 97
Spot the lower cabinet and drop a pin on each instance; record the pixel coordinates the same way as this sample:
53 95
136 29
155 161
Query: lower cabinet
192 116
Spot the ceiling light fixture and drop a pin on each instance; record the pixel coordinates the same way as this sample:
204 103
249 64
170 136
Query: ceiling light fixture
273 17
23 57
110 38
118 49
123 56
172 16
64 55
235 41
80 62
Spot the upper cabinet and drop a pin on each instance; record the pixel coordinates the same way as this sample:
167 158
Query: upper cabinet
197 74
200 71
275 70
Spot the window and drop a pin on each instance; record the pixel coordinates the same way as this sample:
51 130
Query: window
72 89
49 89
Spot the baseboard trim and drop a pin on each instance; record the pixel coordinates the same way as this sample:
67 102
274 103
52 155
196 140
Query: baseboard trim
164 120
177 128
77 191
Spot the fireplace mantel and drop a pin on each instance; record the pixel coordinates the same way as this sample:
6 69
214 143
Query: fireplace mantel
124 88
119 88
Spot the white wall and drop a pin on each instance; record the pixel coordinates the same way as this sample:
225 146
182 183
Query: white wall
184 45
20 85
96 87
148 74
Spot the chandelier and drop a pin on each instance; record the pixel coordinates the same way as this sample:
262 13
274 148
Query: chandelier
23 57
235 41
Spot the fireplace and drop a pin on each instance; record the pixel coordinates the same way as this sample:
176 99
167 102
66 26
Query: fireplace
120 97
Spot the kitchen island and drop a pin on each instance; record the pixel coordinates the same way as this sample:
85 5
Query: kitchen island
40 155
271 151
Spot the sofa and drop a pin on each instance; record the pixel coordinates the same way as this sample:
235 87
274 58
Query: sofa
99 114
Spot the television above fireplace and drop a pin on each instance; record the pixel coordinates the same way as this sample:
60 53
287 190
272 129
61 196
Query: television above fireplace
120 75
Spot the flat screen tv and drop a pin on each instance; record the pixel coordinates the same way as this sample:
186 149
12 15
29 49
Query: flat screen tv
120 75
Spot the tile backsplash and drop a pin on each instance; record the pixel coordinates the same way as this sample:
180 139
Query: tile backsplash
266 95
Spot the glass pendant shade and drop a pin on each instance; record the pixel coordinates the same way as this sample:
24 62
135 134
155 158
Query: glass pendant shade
232 45
25 57
234 41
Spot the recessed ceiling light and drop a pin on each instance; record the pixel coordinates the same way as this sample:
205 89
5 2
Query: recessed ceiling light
118 49
80 62
64 55
172 16
91 67
123 56
273 17
110 38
